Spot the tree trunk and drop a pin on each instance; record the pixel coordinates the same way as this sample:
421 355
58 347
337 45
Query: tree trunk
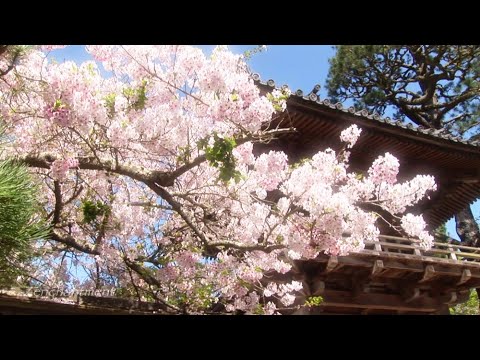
468 231
467 228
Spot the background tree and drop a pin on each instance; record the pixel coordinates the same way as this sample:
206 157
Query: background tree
470 307
150 183
20 221
433 86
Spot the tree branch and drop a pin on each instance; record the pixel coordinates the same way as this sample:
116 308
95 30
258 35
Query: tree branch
176 206
58 202
150 280
89 163
70 241
232 245
10 67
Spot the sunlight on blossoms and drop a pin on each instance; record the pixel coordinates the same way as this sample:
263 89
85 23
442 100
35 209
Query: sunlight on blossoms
384 169
350 135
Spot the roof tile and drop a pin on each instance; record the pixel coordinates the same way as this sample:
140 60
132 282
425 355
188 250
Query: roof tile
313 97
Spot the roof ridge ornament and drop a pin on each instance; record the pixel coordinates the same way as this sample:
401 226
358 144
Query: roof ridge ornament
315 89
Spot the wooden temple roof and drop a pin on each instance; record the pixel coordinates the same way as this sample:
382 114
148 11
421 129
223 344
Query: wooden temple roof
454 162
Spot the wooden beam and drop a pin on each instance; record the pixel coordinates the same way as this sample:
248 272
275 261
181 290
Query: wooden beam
35 306
304 310
424 257
354 261
377 301
473 283
443 310
466 275
397 264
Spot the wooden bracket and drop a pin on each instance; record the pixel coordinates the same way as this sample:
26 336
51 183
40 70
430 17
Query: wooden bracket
453 298
428 274
332 264
417 250
466 275
414 296
317 288
378 268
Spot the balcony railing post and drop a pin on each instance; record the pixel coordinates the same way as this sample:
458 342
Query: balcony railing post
452 253
417 250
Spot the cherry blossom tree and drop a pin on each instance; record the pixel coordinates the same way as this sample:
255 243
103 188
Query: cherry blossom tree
151 185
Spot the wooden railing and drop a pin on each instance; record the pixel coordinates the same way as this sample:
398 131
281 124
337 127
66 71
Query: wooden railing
410 246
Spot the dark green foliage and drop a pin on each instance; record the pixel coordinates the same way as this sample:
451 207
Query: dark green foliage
20 224
440 233
93 209
433 86
441 230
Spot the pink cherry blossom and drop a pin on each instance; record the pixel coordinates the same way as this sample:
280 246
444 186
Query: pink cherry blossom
384 169
350 135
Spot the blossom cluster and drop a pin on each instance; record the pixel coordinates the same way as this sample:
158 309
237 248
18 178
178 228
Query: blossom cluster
350 135
60 167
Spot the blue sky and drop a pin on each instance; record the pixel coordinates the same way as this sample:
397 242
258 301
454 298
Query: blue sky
298 66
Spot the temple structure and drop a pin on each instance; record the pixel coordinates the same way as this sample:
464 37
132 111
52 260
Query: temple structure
392 276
